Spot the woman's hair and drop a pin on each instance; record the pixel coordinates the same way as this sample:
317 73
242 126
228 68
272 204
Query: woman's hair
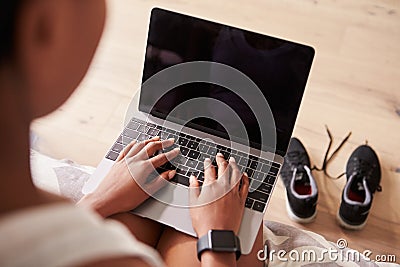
8 19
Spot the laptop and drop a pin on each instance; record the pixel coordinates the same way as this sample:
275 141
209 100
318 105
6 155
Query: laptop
198 87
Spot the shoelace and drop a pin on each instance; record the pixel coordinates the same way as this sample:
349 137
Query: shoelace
326 159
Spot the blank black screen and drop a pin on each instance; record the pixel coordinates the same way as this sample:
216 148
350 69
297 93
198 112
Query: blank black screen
278 67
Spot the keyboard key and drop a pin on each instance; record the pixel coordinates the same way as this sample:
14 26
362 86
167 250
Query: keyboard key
226 154
259 176
152 125
259 166
117 148
253 158
212 151
112 155
241 154
132 125
265 188
236 157
191 163
190 137
182 141
257 195
126 140
143 129
258 206
203 148
265 168
163 135
264 161
200 166
131 134
193 172
193 154
250 172
184 150
202 157
172 136
192 144
143 137
200 177
179 160
274 170
252 164
270 180
182 180
153 132
169 166
182 171
249 203
243 161
276 165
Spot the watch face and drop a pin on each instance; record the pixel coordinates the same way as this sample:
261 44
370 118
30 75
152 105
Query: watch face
223 239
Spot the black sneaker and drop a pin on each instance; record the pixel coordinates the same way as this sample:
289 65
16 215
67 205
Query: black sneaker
363 174
301 188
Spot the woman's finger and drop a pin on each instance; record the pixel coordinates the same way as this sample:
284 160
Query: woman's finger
194 190
223 170
126 150
236 175
163 158
209 172
245 186
140 145
151 148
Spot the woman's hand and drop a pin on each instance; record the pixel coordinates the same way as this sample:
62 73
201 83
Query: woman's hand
125 187
220 203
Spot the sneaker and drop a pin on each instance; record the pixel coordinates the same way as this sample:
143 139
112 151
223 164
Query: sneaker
301 188
363 174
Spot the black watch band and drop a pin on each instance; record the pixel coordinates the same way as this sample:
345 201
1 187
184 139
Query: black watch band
219 241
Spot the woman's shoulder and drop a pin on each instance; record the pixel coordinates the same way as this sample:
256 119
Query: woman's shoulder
61 234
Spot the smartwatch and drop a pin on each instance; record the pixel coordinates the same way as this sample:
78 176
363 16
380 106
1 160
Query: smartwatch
219 241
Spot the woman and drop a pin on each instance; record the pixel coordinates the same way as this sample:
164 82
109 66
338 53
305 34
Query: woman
45 50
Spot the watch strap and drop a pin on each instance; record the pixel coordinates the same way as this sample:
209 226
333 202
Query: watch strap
204 243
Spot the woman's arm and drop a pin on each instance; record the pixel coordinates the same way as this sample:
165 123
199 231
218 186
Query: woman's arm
219 205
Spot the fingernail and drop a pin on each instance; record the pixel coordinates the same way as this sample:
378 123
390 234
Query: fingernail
192 179
207 160
232 159
245 173
171 139
171 174
220 155
177 149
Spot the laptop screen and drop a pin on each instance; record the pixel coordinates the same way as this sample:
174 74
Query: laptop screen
278 67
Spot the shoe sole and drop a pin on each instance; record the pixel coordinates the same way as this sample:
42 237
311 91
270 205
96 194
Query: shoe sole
347 226
297 219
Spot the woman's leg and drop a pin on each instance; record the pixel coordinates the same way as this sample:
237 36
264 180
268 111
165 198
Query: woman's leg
178 249
145 230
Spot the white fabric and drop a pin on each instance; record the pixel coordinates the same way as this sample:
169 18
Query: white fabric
64 235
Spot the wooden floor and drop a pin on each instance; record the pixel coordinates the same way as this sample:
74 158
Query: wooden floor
354 86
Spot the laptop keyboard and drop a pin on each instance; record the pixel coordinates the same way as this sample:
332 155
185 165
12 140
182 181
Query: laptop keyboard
262 173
